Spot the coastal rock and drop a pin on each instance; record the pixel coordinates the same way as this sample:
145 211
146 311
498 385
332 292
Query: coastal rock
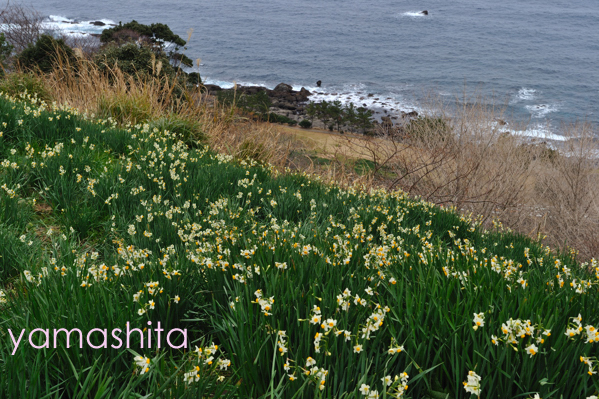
283 87
251 90
318 83
303 95
412 114
288 106
97 23
386 121
212 88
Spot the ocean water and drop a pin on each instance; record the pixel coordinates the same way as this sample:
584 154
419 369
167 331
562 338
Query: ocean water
540 59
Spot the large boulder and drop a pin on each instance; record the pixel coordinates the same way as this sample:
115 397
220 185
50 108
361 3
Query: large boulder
283 88
303 95
287 105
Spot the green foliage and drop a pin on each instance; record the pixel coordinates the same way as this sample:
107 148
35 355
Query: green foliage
134 60
258 103
306 124
312 111
156 33
334 114
194 78
46 54
363 119
276 118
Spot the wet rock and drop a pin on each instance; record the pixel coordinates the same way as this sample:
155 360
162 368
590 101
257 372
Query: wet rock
98 23
283 87
287 106
303 95
370 95
318 83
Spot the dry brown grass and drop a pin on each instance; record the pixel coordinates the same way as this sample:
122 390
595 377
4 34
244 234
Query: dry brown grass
131 100
469 162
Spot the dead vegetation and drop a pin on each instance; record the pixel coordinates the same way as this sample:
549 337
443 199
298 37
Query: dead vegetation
470 161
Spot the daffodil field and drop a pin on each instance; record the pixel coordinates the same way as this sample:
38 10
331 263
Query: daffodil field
287 287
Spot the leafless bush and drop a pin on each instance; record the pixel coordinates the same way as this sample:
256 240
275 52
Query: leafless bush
568 191
468 160
21 25
464 160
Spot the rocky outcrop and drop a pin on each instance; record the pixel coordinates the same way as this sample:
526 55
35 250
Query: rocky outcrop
282 96
97 23
283 88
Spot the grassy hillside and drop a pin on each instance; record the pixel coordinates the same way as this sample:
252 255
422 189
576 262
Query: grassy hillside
287 287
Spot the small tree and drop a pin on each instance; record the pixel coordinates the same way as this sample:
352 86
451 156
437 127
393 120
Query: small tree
159 37
335 110
323 112
312 111
134 60
363 119
350 115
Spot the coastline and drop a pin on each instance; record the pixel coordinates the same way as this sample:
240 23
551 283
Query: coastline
291 103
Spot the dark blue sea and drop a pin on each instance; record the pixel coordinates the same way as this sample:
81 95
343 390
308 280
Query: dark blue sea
538 58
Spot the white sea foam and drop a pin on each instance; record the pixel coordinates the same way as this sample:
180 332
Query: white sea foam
526 94
412 14
538 132
393 103
539 111
72 27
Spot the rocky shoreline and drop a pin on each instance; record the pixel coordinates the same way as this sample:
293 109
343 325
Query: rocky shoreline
292 104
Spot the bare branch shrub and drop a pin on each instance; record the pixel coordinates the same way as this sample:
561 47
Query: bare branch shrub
21 25
465 160
568 190
471 161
